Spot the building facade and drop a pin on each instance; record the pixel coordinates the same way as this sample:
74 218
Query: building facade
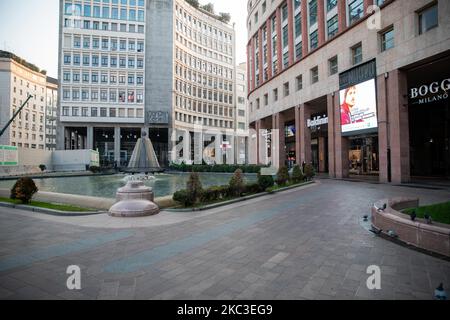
51 111
127 66
354 87
242 132
18 80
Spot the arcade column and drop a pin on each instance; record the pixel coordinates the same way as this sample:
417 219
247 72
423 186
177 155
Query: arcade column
90 137
305 134
341 144
332 104
278 140
117 145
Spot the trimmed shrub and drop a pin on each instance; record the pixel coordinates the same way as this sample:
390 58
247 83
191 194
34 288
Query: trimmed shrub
181 196
237 185
94 169
265 182
42 167
252 188
225 168
194 188
282 175
23 190
215 193
297 175
309 171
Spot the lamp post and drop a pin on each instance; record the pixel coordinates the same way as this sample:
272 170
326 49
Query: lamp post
15 115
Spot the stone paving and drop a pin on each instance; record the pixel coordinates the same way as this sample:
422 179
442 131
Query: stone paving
300 244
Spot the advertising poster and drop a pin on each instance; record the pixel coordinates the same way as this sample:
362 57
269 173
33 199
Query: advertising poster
9 156
358 106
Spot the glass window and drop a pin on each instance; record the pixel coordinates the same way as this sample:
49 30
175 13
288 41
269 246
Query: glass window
285 36
357 54
314 75
331 4
428 19
314 41
132 16
105 12
313 12
387 39
332 26
356 10
298 25
141 15
298 51
297 4
333 65
96 11
284 12
123 14
87 10
115 13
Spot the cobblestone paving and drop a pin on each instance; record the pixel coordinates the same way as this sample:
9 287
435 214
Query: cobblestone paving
300 244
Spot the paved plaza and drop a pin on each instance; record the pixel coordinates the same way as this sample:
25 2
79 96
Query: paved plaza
307 243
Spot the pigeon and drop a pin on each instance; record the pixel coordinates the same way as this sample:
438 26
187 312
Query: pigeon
440 293
392 234
413 215
383 207
375 230
365 217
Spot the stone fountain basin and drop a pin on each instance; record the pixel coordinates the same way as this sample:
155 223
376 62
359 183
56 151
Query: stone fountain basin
134 208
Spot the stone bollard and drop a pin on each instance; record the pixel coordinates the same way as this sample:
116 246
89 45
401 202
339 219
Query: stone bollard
134 200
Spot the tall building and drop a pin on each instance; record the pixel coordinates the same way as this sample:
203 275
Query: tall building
165 68
51 110
18 80
242 114
351 88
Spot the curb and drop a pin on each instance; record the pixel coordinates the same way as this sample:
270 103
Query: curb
228 202
50 211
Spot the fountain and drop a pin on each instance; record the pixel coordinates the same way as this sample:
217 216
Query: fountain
135 199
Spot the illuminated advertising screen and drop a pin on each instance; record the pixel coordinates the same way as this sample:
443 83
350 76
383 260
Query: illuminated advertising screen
359 108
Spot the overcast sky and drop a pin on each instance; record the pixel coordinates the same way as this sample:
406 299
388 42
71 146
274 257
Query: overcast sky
29 28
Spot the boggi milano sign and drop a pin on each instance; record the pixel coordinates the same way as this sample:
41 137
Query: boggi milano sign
429 93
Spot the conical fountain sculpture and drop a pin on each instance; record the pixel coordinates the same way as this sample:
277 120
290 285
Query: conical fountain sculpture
135 199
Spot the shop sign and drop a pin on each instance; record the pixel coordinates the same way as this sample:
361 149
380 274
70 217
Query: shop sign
158 117
317 121
9 156
429 93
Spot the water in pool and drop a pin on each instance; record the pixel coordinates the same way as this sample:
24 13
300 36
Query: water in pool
106 186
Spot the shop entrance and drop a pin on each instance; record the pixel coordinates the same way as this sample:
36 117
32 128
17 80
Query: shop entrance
363 155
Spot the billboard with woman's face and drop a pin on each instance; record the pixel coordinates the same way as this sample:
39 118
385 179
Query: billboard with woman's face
359 108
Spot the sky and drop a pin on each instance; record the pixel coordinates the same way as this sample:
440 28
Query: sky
29 29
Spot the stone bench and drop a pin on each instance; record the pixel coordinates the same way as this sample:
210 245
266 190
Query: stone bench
433 237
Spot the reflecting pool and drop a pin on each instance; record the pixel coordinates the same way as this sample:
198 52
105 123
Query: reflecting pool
106 186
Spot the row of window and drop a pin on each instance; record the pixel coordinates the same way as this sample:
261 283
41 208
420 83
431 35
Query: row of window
202 93
103 95
106 11
26 145
197 77
103 26
105 43
203 51
93 77
196 106
187 118
102 112
104 61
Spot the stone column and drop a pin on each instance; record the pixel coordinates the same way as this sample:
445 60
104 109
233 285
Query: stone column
186 146
218 149
340 145
305 134
117 145
322 154
291 31
383 128
278 140
260 49
342 15
279 38
252 41
304 13
332 104
67 139
90 137
397 111
258 141
321 21
298 159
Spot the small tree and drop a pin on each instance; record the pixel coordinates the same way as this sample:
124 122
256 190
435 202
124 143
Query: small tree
297 175
282 175
225 17
23 189
209 7
265 181
194 188
237 185
309 171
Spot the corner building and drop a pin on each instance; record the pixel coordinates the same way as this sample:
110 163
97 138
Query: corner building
354 87
162 67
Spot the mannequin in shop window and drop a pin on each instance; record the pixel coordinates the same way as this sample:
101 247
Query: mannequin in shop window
348 105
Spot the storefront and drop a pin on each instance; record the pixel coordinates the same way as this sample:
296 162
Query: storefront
318 124
429 118
359 120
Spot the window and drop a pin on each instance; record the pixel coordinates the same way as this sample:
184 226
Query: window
299 82
286 89
332 27
298 51
285 36
331 4
333 65
275 94
356 10
428 19
297 4
314 75
266 100
313 12
314 41
264 6
357 54
256 17
298 25
284 12
257 104
387 39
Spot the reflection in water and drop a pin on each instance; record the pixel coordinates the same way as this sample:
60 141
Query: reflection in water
106 186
